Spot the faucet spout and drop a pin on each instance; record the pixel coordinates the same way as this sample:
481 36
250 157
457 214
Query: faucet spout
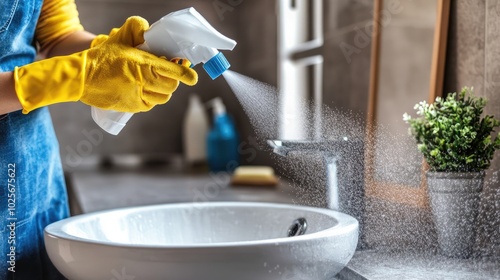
278 147
344 171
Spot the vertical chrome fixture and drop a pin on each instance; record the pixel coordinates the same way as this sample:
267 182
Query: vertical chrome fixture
300 30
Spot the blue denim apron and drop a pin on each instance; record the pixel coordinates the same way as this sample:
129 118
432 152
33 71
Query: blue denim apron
32 189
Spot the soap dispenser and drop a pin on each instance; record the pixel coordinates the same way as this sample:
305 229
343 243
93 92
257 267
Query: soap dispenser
195 131
222 140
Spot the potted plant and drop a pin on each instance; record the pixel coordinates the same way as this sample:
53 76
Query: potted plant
457 145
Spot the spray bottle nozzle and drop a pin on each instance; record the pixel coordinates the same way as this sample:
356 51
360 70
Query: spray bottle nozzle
186 33
216 65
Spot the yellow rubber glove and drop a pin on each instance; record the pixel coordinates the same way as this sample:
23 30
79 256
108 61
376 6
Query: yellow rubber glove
101 38
112 75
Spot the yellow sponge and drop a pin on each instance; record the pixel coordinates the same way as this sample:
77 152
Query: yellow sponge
254 176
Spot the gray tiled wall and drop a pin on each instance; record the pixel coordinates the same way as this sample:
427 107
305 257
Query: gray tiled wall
473 59
346 78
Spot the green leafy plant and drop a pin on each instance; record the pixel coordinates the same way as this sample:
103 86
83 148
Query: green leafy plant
452 135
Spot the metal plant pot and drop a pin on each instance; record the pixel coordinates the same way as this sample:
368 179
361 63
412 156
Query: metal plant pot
454 198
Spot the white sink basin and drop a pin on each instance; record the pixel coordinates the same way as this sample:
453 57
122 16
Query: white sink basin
192 241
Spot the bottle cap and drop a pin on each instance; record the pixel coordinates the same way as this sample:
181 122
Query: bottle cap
218 106
216 65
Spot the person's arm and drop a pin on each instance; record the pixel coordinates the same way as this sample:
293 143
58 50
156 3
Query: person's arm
74 42
112 75
58 32
8 98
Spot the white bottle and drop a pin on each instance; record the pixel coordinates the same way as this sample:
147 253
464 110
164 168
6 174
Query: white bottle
183 34
195 131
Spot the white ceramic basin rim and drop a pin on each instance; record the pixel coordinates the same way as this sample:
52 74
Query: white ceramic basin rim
211 241
139 226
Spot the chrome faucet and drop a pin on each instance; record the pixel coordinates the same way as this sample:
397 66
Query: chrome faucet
344 162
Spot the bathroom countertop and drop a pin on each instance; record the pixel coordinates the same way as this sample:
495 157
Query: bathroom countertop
387 265
101 189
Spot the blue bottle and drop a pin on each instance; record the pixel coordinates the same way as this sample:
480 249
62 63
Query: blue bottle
222 140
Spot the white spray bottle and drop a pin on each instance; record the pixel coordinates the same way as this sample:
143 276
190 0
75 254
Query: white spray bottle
184 34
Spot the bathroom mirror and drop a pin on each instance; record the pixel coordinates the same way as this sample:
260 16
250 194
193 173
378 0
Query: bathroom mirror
408 55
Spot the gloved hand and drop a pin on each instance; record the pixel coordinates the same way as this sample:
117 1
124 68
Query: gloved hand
101 38
112 75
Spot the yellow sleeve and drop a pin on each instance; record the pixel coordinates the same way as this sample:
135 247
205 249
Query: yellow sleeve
58 19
